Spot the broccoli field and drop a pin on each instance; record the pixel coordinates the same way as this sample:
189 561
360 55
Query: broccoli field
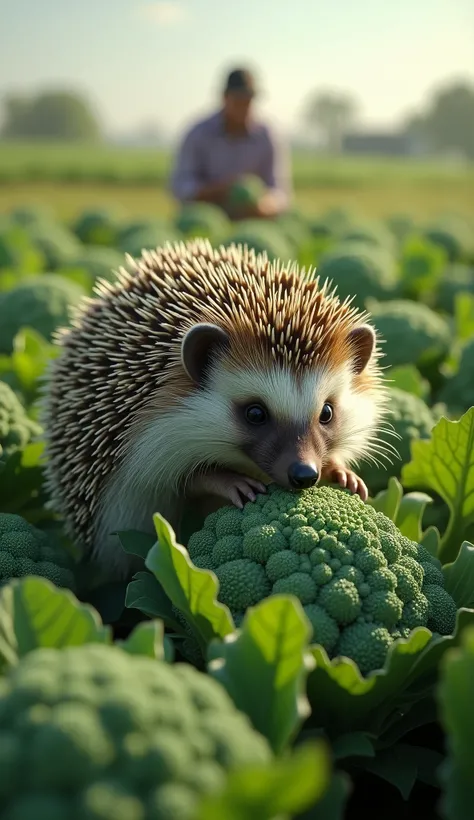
310 656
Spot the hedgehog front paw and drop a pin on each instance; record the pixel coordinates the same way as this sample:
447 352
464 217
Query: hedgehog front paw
228 485
345 478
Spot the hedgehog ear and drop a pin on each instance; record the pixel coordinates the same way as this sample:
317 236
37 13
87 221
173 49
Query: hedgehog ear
198 345
362 340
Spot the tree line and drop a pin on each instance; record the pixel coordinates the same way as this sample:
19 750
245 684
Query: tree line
445 123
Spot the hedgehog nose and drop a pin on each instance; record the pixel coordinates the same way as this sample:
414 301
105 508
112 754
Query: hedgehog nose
301 476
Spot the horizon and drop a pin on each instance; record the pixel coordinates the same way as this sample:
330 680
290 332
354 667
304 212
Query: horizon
90 49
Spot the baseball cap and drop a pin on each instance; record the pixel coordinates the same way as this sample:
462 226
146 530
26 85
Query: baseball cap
240 81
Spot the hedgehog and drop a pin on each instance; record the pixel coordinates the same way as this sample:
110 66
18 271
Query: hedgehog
203 373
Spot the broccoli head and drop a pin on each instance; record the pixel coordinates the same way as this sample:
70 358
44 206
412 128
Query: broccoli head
412 332
411 419
26 550
262 237
16 428
458 390
359 270
361 583
246 191
40 302
202 219
93 732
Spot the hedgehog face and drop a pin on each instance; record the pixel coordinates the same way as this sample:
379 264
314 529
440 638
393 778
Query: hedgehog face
273 417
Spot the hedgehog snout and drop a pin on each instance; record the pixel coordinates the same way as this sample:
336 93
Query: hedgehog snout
302 475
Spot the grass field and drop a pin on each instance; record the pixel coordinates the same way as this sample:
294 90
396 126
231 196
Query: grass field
70 179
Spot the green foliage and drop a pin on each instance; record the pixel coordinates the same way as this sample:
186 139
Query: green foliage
147 237
361 583
16 428
98 227
412 332
202 219
359 271
457 718
409 419
57 115
264 668
458 389
119 734
261 238
246 191
42 303
445 465
26 550
421 267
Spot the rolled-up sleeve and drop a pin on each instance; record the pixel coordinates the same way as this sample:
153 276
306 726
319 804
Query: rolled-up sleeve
277 172
185 177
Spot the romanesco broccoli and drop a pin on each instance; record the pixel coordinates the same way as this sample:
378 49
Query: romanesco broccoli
16 428
26 550
93 732
362 583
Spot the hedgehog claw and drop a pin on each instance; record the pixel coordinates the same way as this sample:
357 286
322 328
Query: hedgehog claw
347 479
228 485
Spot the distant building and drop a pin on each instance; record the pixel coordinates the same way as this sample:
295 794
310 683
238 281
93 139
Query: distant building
380 143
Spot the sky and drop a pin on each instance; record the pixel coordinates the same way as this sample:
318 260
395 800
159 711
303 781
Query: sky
144 61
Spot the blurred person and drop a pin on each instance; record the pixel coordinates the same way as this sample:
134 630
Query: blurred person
228 145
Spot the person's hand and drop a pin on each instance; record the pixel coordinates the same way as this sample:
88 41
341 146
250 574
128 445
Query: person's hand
267 206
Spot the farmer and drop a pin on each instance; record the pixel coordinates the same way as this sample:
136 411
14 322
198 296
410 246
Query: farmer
219 150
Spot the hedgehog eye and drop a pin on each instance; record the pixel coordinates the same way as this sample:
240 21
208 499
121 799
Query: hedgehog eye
326 413
255 414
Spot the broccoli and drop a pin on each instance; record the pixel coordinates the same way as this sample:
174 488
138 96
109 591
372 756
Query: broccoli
99 262
16 428
148 237
246 191
412 332
362 584
97 227
375 235
411 419
40 302
359 271
456 279
458 390
262 237
26 550
202 219
55 241
93 732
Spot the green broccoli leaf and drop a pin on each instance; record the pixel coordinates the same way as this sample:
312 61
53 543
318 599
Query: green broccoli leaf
464 316
136 543
445 464
454 696
284 787
342 700
459 576
405 510
402 765
148 638
388 501
21 484
34 613
192 590
354 744
264 666
148 596
407 377
410 515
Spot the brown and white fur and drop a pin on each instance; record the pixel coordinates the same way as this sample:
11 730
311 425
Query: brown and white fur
147 404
